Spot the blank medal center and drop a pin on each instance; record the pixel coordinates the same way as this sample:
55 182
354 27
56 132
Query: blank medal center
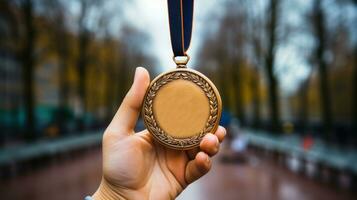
181 108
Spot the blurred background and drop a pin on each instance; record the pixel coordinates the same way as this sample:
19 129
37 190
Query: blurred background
286 71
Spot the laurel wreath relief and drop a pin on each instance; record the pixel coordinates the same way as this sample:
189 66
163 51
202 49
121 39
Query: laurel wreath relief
153 126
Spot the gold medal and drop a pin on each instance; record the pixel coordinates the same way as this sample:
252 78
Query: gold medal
181 106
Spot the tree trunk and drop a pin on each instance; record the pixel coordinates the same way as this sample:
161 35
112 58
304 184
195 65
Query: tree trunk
82 64
255 83
236 76
269 63
28 70
354 92
304 106
222 85
63 87
319 20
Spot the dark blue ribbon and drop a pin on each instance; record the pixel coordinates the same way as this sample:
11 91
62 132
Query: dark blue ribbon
180 18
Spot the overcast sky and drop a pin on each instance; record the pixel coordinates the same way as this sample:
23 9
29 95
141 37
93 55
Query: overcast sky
152 17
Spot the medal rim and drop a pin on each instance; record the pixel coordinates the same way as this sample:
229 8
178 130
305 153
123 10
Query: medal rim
197 137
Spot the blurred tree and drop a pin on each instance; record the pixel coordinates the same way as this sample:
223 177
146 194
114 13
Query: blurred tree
303 115
112 67
10 32
319 28
222 48
28 63
354 87
9 49
55 11
84 38
236 23
231 56
109 65
255 41
135 51
56 50
272 23
255 86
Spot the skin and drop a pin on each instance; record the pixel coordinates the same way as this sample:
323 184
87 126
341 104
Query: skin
137 167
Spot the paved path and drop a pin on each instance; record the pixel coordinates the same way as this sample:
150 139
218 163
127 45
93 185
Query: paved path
258 179
68 178
77 176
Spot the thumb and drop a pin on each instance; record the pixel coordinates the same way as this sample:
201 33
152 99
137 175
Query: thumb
125 118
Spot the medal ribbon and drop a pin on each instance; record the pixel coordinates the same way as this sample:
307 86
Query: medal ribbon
180 19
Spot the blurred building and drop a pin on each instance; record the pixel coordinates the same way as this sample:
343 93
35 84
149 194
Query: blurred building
10 93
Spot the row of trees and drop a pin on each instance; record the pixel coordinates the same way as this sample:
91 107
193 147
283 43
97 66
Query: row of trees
245 50
92 64
242 51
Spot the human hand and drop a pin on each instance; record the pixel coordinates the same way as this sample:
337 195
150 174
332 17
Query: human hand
137 167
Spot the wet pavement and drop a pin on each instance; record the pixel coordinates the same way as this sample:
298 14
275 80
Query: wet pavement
77 176
71 177
258 179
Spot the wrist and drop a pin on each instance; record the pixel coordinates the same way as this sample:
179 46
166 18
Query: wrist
106 192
